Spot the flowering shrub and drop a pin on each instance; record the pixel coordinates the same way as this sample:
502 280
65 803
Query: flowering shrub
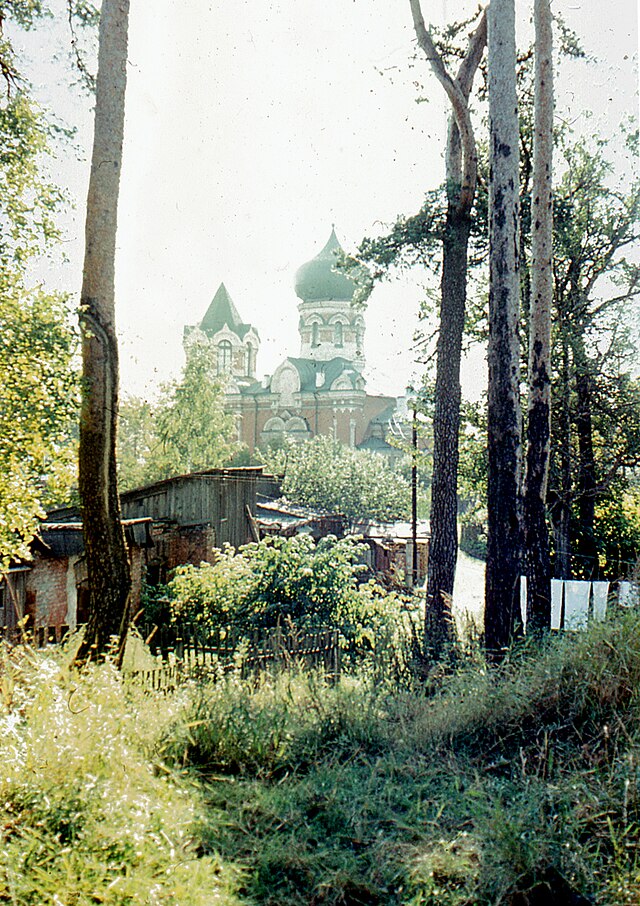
280 581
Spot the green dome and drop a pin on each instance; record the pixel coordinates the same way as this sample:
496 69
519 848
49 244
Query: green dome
318 281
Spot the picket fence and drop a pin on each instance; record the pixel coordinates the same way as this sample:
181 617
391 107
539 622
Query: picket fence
185 652
182 652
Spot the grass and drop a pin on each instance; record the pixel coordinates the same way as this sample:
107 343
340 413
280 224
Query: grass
506 787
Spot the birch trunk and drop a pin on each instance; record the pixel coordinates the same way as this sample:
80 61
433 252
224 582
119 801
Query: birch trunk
504 539
105 548
538 565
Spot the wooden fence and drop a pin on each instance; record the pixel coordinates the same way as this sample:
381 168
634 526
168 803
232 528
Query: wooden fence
185 652
38 638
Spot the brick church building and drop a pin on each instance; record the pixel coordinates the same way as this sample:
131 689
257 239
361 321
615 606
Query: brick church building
322 391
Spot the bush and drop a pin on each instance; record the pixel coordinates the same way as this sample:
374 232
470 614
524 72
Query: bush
283 581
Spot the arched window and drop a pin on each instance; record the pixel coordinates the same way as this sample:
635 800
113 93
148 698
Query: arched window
339 334
224 357
315 334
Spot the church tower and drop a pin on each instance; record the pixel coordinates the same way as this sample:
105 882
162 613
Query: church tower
233 344
330 327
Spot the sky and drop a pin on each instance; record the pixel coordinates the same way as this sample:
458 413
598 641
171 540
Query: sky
252 127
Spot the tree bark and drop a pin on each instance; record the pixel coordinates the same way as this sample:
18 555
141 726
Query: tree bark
537 560
461 182
587 548
105 548
561 505
504 536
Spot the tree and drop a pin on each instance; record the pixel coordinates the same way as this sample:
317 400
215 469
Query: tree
323 474
38 390
504 539
193 430
185 430
462 166
595 413
105 548
38 407
536 538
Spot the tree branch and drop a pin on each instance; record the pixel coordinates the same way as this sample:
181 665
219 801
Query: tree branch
458 93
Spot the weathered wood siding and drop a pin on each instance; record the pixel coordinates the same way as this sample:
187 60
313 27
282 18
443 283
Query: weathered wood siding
218 498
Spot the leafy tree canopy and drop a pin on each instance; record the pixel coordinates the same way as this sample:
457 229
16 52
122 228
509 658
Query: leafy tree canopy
324 474
186 430
38 391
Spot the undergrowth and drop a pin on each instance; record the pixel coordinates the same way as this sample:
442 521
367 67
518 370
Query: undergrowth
84 817
516 785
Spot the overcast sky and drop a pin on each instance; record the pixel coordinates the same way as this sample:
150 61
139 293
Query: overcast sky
254 126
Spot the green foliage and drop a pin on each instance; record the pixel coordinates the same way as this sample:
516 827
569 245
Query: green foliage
85 818
39 388
511 783
618 524
186 430
38 403
324 474
282 581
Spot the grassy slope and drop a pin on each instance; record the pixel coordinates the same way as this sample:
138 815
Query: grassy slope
285 792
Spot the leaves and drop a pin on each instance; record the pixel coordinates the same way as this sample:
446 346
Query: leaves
187 430
324 474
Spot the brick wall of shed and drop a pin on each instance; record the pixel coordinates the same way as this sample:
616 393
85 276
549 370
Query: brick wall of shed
176 546
47 588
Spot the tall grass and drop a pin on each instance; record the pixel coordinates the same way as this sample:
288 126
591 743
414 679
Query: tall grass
521 782
83 815
509 786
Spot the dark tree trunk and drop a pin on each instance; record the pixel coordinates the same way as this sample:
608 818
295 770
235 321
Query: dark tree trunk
462 166
504 536
105 548
443 548
561 504
538 563
587 549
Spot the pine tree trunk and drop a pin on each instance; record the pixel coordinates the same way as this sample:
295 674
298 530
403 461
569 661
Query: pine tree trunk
461 183
443 547
538 564
504 537
561 508
105 548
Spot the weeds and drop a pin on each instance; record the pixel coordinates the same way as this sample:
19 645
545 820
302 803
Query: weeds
506 787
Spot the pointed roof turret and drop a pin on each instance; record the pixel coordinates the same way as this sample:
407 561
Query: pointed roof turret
319 281
221 312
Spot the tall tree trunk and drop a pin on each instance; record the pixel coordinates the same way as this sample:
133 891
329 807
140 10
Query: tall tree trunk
587 548
105 548
443 547
504 537
561 506
538 564
461 182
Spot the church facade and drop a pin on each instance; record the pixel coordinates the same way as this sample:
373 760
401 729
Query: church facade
322 390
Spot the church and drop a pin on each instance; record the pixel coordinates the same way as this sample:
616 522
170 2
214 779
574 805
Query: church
322 391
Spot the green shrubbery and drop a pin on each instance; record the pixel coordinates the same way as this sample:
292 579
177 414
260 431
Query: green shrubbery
84 817
510 785
515 783
287 581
